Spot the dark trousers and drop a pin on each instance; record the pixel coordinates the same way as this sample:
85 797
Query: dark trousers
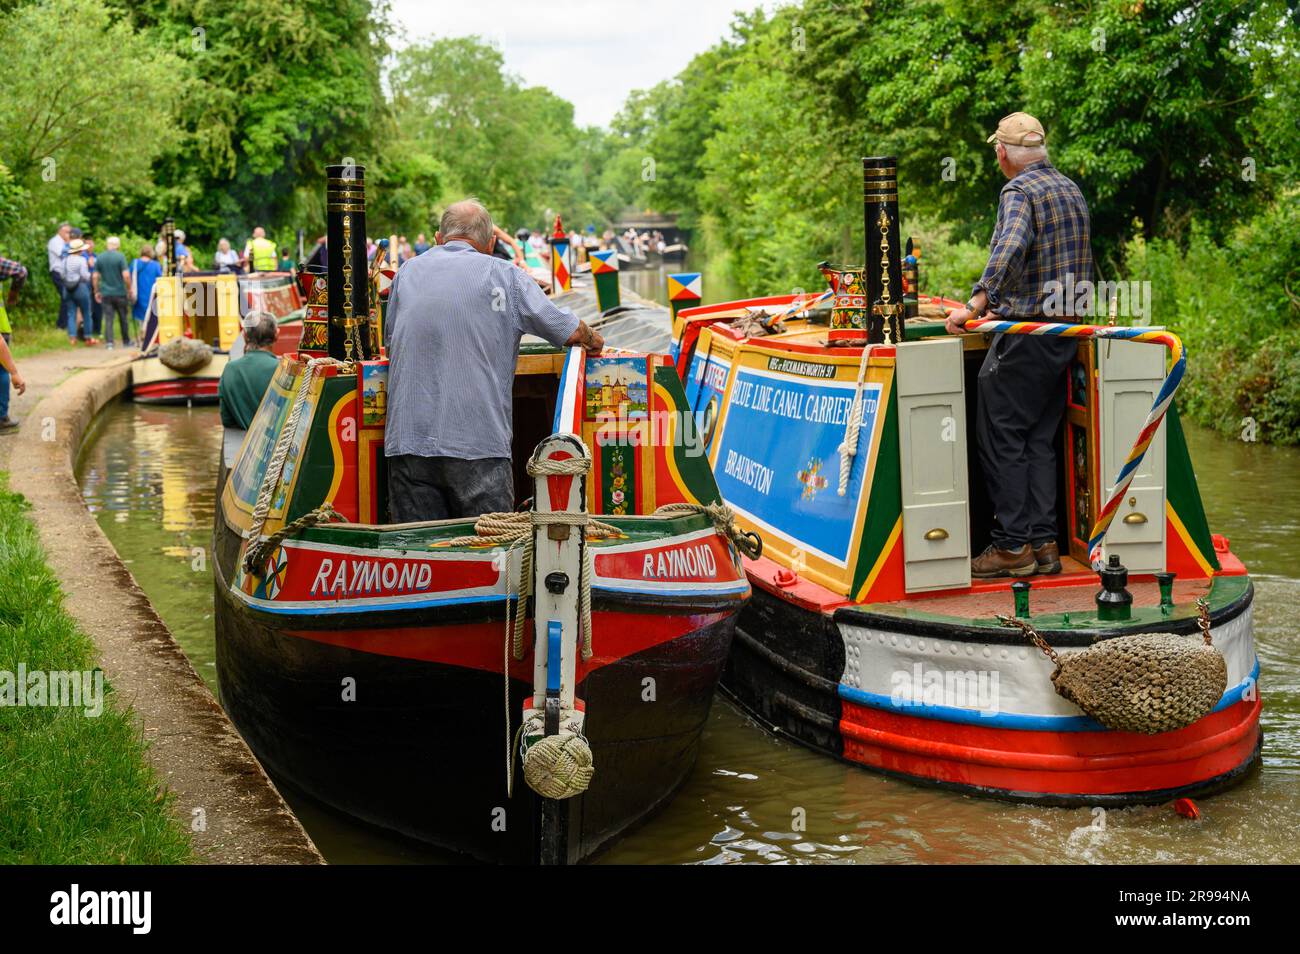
1021 400
79 299
64 301
116 305
438 488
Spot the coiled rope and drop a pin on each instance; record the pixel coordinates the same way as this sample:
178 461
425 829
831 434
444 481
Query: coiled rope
259 548
1164 397
849 446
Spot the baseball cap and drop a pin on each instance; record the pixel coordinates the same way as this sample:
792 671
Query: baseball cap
1019 129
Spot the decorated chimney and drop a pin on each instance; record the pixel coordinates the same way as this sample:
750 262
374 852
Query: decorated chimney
351 335
683 291
561 267
884 266
169 246
604 272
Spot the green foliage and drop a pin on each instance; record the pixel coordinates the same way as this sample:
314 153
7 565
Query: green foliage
1236 307
64 121
277 92
77 788
515 147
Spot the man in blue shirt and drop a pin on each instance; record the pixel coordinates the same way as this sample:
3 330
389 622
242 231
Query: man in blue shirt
455 318
145 271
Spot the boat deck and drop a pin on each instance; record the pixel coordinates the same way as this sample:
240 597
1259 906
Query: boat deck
1068 592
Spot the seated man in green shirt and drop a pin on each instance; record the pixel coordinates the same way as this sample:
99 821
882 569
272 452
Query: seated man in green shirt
245 379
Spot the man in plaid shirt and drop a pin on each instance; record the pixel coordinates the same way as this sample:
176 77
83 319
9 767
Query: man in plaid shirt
1040 246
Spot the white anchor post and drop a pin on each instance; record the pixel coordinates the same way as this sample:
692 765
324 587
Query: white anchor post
557 581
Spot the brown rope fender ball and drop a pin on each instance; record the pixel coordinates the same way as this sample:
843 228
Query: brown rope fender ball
185 355
1146 683
559 766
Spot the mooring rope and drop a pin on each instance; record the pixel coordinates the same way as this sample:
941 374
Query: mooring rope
515 530
724 522
258 550
1164 397
849 446
275 467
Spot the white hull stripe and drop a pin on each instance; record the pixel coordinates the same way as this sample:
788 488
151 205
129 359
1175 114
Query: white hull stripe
1011 720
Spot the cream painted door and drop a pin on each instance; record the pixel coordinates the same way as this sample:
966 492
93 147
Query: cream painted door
932 451
1130 374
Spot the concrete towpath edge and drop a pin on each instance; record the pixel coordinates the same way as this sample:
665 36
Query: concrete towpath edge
193 746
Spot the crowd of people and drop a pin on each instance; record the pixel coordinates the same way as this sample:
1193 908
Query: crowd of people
101 292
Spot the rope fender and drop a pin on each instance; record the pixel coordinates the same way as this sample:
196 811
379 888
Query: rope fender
1145 682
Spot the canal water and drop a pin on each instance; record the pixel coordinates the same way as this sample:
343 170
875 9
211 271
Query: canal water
149 477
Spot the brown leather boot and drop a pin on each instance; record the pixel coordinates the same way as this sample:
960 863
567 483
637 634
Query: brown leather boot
993 563
1048 557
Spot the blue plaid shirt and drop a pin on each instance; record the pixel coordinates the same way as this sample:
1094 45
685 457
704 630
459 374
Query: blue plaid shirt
1041 238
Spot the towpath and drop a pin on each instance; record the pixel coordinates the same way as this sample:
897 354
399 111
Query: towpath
223 796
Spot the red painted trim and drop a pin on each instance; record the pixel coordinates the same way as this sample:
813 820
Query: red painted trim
1229 563
175 388
802 593
615 636
702 310
1064 763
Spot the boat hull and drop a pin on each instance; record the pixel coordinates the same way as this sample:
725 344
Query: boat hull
855 685
152 382
420 748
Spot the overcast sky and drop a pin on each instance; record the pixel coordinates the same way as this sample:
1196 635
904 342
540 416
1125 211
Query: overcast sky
590 52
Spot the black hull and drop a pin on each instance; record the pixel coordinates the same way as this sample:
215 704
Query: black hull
422 749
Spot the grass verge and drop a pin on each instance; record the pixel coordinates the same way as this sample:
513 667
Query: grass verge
76 787
31 340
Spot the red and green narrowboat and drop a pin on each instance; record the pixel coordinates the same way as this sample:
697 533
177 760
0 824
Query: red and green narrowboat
518 692
843 434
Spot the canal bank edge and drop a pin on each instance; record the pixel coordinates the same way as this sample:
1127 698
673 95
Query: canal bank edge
192 744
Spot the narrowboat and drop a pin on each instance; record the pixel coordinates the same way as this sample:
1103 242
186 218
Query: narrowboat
276 293
844 435
518 688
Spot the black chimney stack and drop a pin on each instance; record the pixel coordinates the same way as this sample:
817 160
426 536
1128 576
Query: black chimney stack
884 261
348 270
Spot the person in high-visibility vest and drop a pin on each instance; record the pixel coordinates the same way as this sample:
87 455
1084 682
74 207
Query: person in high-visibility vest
260 252
9 269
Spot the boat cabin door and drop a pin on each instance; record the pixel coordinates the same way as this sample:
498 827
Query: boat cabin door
932 452
1129 376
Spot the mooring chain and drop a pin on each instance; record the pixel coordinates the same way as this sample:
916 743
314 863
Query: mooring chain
1034 637
1203 619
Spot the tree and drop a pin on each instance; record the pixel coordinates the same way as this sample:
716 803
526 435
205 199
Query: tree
73 75
278 91
514 147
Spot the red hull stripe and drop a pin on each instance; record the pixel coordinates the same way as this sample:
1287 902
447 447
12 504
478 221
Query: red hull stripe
479 645
1084 763
177 388
307 578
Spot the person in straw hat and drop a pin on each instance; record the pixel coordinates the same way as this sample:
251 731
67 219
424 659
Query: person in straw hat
75 273
1040 245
